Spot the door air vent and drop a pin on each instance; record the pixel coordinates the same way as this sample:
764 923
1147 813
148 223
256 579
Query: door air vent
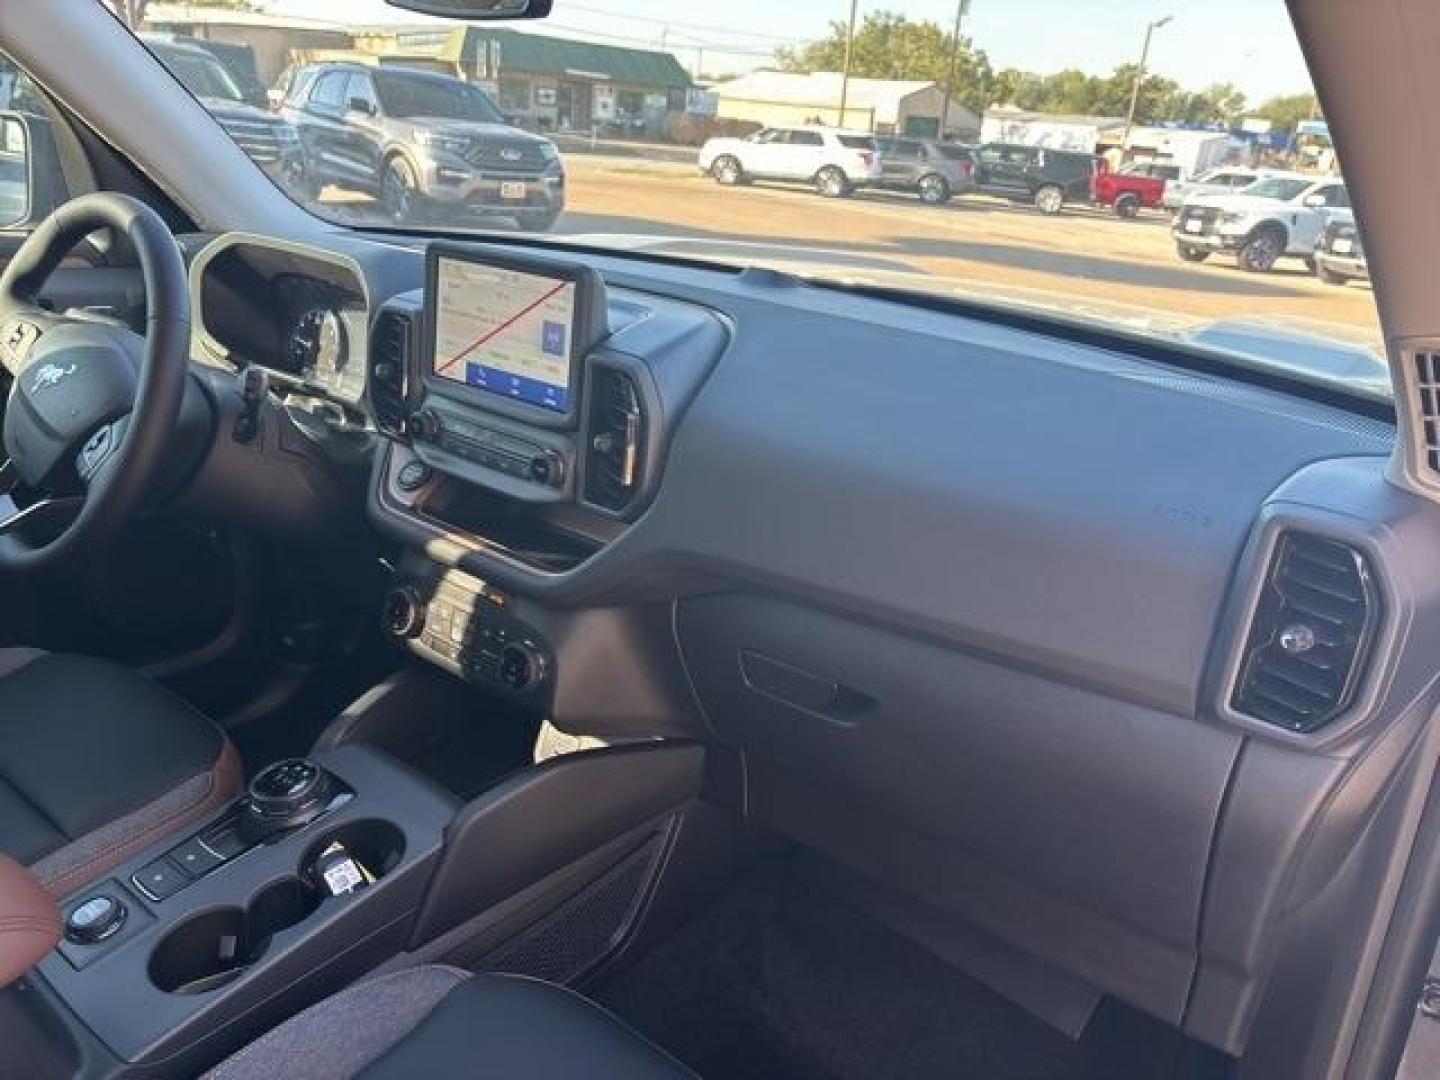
1427 382
1313 627
616 441
389 379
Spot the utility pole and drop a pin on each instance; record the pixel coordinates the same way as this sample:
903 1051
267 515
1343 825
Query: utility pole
962 8
1140 79
849 56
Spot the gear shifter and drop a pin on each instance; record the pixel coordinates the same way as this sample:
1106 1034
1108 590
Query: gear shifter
284 796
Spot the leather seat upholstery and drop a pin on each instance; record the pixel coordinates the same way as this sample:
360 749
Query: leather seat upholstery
97 763
440 1021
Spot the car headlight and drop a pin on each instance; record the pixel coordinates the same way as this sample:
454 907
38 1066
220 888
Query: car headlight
447 144
549 151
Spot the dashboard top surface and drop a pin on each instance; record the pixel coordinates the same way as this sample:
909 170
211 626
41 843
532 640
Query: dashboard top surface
1035 481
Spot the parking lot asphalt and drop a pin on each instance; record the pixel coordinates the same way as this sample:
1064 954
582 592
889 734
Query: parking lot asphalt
1085 259
974 246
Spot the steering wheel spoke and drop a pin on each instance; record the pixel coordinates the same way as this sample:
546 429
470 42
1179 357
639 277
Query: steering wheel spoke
20 328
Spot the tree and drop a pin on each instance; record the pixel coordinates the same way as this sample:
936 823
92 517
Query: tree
890 46
1287 111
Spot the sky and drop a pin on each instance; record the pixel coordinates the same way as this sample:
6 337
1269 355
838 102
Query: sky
1246 42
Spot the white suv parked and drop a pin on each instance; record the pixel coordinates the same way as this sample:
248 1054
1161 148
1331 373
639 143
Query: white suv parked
834 160
1280 214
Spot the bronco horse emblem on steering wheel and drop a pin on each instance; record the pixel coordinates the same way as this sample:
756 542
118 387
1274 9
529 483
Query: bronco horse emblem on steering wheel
50 375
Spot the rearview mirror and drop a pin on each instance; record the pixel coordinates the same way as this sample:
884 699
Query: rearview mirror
362 105
477 9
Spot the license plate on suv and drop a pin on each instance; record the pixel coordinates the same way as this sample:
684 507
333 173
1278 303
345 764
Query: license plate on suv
1342 246
512 190
1195 225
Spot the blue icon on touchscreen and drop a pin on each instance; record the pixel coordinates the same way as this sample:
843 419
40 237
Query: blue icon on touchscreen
552 338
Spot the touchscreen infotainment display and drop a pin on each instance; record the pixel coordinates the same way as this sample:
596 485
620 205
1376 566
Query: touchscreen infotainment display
505 331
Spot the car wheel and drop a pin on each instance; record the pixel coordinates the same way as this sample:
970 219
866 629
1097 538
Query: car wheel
1261 251
934 190
1311 264
1192 254
399 192
1049 199
1329 276
1128 205
726 170
832 183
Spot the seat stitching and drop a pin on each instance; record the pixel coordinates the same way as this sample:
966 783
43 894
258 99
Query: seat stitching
127 839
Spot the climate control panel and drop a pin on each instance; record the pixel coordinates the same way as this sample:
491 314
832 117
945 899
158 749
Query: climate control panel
468 629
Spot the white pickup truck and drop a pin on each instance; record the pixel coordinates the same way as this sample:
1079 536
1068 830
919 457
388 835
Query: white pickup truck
1281 214
834 160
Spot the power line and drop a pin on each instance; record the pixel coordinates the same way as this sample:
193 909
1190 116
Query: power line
649 43
787 39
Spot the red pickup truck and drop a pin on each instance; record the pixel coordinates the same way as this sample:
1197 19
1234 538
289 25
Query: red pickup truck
1127 192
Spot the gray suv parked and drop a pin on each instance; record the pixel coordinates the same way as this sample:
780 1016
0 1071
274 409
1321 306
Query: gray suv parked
422 143
934 171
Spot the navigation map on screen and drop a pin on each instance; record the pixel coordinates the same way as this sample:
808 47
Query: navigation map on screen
504 331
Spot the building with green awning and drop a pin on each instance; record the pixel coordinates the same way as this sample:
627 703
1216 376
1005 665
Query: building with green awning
555 84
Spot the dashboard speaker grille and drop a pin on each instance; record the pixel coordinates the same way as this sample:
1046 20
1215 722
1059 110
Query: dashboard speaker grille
1311 634
616 433
389 357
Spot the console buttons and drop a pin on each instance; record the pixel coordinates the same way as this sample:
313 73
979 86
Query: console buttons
195 858
160 879
226 841
95 920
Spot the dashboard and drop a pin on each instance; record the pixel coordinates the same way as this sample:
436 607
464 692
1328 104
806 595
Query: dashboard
673 500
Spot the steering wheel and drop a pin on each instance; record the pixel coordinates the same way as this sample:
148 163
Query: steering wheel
93 403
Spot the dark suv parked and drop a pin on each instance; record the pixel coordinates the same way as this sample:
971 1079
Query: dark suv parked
934 171
270 141
422 143
1036 174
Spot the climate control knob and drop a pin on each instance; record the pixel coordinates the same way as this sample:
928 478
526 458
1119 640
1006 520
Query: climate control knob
522 667
404 612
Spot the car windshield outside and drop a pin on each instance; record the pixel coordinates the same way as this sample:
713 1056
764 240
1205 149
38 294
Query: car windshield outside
416 96
1276 187
199 73
634 123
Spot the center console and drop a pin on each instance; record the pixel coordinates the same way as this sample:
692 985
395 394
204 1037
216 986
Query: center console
312 878
530 406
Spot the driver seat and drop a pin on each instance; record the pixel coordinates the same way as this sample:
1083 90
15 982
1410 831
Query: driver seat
97 763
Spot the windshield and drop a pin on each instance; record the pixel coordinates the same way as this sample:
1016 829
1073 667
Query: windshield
1276 187
632 124
411 96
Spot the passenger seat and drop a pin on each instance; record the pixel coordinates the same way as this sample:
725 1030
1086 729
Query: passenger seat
440 1021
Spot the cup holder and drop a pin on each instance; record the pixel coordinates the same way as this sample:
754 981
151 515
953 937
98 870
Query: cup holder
376 845
208 950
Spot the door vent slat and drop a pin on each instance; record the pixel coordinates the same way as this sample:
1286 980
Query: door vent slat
1310 636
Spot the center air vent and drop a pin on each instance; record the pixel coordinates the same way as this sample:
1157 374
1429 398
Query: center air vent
616 441
1314 624
388 383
